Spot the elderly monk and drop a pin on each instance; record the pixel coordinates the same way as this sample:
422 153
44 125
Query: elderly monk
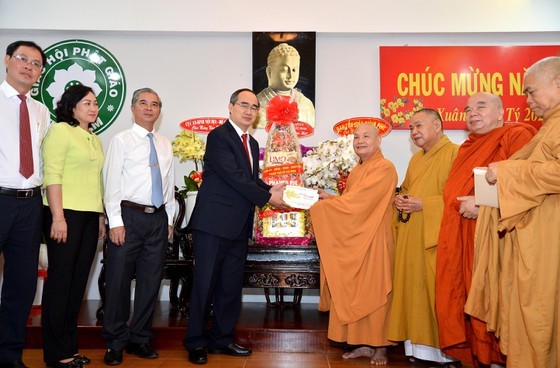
529 232
420 209
489 140
355 243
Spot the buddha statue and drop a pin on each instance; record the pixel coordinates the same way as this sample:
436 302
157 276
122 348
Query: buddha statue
282 72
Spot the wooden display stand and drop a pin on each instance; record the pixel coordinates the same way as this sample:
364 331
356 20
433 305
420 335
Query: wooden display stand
282 267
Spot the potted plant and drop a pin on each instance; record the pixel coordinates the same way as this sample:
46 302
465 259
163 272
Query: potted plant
327 165
188 146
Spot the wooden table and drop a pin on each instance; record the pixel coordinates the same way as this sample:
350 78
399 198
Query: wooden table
267 267
280 268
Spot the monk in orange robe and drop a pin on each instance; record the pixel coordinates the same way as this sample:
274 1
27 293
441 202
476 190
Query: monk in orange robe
355 243
489 140
527 250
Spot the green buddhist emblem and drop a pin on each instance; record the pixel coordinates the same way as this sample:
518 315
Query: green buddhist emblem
83 62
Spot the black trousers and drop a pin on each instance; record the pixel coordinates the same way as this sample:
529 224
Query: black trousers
143 253
217 280
67 277
20 236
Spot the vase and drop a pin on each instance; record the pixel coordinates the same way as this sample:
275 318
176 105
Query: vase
190 202
41 276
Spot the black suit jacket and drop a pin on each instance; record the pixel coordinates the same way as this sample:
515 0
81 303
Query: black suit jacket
230 189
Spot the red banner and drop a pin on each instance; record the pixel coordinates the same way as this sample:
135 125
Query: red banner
347 126
285 169
442 78
202 125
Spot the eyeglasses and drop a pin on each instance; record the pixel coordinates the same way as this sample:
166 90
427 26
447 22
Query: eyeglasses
35 64
245 106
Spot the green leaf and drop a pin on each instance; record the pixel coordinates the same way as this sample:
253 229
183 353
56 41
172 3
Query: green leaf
190 185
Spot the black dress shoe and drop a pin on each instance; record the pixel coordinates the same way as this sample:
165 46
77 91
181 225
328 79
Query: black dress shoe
82 359
72 364
17 364
198 356
142 350
113 357
232 349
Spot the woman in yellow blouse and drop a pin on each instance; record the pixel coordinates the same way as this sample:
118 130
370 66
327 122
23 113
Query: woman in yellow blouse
73 221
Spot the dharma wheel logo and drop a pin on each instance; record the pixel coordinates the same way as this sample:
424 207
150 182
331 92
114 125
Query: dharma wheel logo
83 62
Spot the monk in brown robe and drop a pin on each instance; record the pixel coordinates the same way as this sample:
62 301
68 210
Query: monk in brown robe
528 246
353 233
489 140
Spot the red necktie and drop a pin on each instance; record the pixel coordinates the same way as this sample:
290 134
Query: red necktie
244 138
25 144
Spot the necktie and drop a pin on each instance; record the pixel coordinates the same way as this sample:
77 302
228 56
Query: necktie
25 144
244 138
157 192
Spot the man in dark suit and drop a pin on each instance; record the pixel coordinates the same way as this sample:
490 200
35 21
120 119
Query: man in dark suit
221 223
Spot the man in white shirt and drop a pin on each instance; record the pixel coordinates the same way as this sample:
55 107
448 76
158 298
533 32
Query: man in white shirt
139 201
24 122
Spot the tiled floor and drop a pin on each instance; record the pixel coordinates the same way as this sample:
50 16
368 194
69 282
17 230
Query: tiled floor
178 358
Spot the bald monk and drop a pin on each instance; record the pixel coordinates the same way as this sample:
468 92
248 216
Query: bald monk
529 238
355 244
419 206
489 140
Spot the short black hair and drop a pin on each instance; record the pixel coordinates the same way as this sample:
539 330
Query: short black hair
65 106
235 95
15 45
433 113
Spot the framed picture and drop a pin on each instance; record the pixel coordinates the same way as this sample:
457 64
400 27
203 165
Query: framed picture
284 63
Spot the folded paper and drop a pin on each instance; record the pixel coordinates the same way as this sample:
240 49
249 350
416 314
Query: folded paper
300 197
485 194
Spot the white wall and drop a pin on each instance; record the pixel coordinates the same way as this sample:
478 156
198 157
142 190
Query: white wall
195 72
352 16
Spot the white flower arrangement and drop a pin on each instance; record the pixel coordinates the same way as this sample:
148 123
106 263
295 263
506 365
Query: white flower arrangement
325 163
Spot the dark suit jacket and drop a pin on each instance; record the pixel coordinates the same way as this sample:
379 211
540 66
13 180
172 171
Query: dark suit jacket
230 190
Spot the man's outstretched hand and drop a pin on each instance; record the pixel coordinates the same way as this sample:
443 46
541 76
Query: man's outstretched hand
277 197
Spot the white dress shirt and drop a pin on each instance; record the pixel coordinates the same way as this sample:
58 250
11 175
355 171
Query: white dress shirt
127 176
39 120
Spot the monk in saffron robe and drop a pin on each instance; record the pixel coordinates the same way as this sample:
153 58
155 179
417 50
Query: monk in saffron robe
526 236
353 233
490 140
420 209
